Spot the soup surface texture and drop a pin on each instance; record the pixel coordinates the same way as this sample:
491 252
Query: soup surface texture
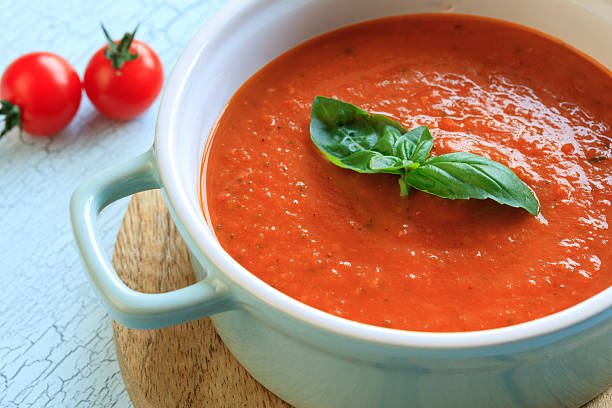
348 244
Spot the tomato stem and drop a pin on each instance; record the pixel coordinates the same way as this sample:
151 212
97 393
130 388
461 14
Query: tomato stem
12 117
119 53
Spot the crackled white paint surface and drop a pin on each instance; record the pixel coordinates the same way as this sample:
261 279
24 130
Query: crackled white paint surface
56 345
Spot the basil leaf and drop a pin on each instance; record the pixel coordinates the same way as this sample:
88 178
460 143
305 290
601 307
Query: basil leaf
466 175
361 161
388 140
422 142
351 138
380 162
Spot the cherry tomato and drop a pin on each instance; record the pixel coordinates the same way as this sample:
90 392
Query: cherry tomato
40 92
123 78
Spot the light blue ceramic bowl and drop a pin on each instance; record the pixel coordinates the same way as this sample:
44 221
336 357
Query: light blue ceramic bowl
305 356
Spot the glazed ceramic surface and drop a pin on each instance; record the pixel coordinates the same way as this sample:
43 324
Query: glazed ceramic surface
307 357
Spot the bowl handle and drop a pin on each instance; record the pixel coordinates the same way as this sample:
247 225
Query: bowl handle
131 308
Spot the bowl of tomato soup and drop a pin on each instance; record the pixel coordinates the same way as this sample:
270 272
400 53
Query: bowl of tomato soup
330 287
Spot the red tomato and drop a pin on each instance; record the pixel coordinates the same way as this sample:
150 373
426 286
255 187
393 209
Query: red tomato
128 91
45 88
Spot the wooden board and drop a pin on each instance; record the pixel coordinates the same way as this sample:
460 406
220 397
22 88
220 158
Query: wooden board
185 365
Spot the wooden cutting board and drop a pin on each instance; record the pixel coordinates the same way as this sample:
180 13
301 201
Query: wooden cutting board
185 365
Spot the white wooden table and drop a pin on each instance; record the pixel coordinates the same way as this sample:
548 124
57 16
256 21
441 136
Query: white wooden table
56 343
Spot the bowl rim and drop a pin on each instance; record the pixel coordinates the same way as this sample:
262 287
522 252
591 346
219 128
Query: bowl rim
201 237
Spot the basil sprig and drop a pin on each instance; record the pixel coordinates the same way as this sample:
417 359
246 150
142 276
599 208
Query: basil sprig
352 138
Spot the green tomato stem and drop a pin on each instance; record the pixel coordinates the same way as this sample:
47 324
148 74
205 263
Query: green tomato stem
119 53
12 117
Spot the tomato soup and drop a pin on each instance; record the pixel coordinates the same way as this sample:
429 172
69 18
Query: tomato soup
348 244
